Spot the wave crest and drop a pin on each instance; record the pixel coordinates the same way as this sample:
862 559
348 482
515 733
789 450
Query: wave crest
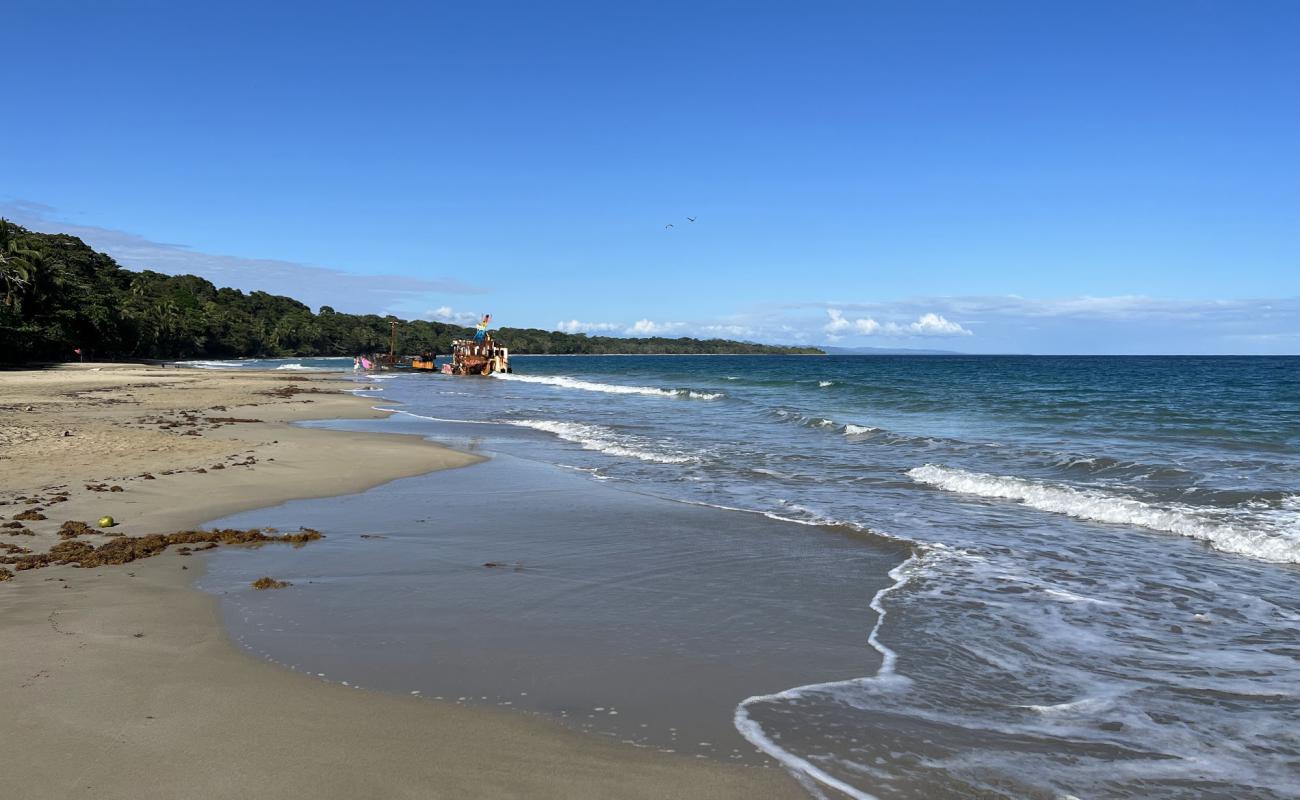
609 388
1272 535
602 439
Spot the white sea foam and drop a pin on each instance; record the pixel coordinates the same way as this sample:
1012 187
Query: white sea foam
292 366
602 439
1271 536
436 419
858 430
824 384
608 388
232 364
800 767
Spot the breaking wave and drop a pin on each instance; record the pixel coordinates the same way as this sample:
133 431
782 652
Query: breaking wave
604 440
609 388
232 364
1271 535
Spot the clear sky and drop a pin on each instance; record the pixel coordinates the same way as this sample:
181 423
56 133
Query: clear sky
979 176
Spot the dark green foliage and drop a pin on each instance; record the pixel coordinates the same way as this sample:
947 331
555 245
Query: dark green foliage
57 294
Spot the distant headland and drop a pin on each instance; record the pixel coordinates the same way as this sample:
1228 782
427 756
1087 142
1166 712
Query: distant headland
60 298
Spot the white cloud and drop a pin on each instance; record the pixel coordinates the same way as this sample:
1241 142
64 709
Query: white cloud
936 325
928 324
451 315
645 327
575 326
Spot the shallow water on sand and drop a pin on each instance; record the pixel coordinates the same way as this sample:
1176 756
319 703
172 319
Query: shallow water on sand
1101 595
619 613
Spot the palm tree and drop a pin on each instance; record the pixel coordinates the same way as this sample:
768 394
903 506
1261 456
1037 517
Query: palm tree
19 265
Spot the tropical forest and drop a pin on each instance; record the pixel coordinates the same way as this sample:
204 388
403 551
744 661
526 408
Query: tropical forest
61 300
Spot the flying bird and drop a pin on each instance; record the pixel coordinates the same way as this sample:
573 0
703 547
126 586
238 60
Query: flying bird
690 219
669 225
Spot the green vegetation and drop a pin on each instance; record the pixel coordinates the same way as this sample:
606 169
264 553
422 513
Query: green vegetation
57 294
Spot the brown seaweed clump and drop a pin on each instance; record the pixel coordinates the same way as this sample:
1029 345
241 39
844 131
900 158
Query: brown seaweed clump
72 529
30 515
289 391
268 582
125 549
5 574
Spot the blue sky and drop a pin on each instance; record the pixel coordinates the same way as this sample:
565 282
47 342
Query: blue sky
986 177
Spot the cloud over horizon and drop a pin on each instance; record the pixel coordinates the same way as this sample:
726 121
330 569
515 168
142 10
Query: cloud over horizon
1122 323
928 324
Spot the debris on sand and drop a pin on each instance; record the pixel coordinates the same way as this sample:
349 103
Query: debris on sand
72 529
30 515
5 574
289 391
269 583
125 549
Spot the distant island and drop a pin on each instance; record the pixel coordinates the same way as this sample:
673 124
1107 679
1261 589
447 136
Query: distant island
57 294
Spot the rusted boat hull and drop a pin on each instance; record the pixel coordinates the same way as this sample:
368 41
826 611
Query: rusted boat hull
470 357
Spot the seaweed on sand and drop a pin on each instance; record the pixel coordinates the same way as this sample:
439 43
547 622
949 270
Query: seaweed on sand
125 549
72 529
267 582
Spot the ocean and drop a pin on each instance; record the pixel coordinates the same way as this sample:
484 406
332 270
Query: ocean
1092 568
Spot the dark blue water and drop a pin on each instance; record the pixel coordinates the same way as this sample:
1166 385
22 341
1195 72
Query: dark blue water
1102 598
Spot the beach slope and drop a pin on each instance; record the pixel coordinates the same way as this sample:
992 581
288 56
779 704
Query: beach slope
120 681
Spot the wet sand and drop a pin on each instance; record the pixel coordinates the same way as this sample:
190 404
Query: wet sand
516 583
120 681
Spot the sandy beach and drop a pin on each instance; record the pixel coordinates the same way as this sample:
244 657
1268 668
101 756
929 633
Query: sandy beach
120 681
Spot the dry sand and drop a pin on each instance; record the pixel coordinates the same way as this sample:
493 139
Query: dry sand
120 681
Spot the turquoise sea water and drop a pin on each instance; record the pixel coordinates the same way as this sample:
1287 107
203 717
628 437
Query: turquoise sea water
1101 596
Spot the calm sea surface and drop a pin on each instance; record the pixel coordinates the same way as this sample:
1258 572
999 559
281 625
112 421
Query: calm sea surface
1102 597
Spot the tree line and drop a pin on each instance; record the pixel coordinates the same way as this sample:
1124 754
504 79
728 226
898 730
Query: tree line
58 295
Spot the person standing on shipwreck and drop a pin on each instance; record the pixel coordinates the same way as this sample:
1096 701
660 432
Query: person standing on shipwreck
480 334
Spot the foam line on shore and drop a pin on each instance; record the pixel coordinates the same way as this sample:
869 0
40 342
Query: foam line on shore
798 766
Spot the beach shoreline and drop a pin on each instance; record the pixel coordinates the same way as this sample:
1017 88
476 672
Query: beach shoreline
123 681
